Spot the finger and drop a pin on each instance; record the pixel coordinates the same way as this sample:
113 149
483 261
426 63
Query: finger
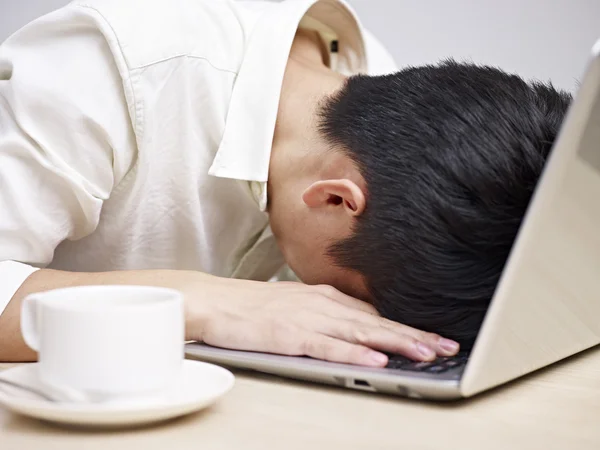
346 307
377 338
441 346
346 300
335 350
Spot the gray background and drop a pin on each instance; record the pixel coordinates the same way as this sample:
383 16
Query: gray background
544 39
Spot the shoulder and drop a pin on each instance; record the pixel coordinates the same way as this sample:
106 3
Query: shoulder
151 31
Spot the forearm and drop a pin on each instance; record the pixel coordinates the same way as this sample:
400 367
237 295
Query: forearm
285 318
12 346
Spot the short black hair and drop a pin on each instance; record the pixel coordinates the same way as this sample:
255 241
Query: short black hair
451 154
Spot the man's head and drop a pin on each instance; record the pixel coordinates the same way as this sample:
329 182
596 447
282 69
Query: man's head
424 179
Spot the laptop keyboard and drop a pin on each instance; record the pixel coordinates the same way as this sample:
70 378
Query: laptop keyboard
440 365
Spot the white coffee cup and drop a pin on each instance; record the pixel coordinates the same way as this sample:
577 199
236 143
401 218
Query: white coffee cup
110 341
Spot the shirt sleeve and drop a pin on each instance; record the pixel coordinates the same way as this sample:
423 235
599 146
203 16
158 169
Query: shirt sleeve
66 138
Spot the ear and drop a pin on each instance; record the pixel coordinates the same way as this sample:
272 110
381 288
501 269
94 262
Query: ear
336 193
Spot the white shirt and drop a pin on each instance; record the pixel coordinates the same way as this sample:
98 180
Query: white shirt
137 134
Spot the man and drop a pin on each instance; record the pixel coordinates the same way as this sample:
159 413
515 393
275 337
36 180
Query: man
201 144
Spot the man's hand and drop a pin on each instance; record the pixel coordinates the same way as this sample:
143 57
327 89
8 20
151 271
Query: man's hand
285 318
296 319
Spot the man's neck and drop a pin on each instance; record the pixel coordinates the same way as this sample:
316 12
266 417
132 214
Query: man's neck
309 47
307 82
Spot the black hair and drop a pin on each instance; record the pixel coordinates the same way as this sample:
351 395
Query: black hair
451 154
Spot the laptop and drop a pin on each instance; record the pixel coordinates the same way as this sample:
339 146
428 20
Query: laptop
546 305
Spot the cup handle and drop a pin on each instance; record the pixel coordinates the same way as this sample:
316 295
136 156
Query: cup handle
29 322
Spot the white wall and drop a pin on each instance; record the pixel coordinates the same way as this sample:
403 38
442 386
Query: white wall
545 39
16 13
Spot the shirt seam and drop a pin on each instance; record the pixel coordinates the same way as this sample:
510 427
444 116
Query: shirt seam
183 55
138 129
114 33
142 66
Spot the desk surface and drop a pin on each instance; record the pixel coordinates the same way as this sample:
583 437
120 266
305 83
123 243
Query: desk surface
558 408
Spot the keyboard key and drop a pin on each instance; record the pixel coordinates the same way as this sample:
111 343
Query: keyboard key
440 365
394 365
436 369
452 363
417 366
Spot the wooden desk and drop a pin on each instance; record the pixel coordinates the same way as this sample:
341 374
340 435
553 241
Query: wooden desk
555 409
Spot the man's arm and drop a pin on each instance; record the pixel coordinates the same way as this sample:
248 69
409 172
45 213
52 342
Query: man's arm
284 318
13 347
66 139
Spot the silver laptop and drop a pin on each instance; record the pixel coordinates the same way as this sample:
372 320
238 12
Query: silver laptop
546 306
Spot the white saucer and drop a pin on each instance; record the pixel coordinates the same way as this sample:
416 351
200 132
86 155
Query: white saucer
200 385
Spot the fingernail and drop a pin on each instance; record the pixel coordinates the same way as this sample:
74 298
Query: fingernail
378 358
425 351
448 345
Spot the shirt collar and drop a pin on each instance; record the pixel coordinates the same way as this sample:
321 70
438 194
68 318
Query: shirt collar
245 149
